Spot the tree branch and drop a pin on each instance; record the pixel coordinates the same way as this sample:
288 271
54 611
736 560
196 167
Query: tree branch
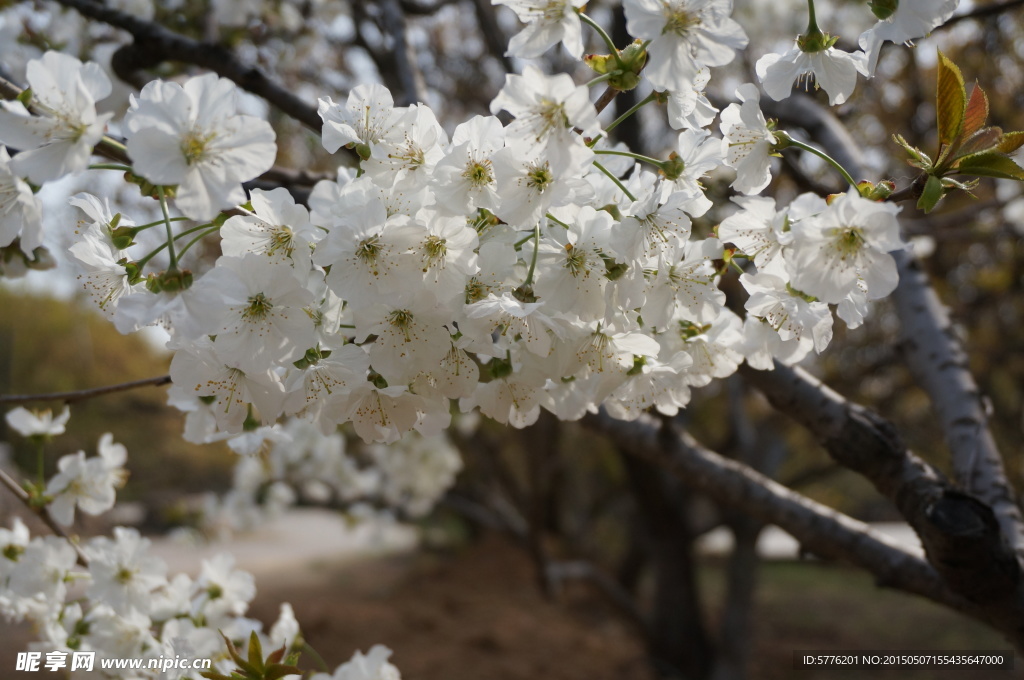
934 355
961 538
393 22
81 395
494 37
983 12
939 365
820 529
155 44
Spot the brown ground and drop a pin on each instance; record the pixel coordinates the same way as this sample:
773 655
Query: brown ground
479 616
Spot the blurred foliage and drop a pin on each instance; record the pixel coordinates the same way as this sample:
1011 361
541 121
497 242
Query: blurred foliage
52 346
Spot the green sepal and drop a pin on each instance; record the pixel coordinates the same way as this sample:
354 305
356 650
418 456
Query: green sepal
147 188
883 9
614 270
673 168
122 237
132 270
25 96
499 368
599 63
276 671
255 651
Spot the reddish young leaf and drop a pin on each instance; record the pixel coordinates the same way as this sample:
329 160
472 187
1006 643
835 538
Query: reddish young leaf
985 139
977 111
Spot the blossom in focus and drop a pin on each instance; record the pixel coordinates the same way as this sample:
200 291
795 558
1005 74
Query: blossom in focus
192 135
547 22
60 141
546 110
911 19
849 241
368 116
748 141
685 35
834 71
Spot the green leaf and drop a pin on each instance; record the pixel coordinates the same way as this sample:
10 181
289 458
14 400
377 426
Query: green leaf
977 111
991 165
1010 142
950 101
931 195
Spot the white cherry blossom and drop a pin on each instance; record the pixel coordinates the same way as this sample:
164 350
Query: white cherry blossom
61 139
685 35
834 70
20 211
747 141
848 242
192 136
547 22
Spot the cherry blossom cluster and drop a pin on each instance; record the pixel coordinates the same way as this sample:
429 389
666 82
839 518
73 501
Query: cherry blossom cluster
281 466
112 597
508 268
504 268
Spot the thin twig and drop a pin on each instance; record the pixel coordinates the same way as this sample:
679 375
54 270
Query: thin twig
44 514
155 44
81 395
983 12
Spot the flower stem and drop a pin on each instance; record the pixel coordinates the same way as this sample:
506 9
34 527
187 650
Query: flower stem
40 464
614 51
533 260
141 263
636 107
615 179
824 156
812 24
170 232
198 238
629 154
158 222
110 166
603 77
556 220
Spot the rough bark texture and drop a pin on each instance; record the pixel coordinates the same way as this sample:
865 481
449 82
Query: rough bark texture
939 365
934 355
678 641
960 534
831 534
